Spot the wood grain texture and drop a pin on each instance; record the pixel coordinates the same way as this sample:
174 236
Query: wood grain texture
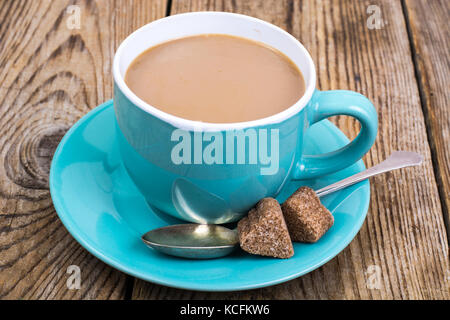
430 32
50 76
404 233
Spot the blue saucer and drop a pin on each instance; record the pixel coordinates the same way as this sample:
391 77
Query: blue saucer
106 214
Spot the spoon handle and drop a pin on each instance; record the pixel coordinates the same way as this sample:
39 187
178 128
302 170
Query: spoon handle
397 160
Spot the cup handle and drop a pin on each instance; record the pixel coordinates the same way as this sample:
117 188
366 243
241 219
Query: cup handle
339 102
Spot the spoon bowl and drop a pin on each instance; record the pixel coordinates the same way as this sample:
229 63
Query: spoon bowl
193 241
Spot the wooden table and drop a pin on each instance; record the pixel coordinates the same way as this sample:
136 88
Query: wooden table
394 52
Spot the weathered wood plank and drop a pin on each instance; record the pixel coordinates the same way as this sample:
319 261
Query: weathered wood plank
428 22
404 233
50 75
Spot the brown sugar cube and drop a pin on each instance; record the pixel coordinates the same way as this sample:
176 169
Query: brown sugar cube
306 218
264 231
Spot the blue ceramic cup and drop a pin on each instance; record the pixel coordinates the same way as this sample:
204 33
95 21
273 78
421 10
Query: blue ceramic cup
213 172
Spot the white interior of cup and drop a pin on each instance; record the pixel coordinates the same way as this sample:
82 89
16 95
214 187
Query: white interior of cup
189 24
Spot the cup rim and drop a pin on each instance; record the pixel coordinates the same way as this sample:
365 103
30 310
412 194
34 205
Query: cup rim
192 125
